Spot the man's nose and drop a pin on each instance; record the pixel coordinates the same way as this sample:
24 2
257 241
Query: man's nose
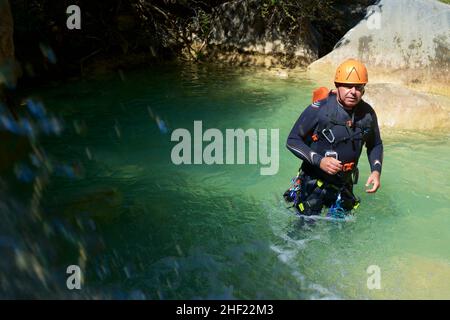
353 90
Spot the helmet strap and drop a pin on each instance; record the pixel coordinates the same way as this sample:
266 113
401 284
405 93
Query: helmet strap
338 95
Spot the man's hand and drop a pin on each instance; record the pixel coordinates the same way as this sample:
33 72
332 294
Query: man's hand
374 179
330 165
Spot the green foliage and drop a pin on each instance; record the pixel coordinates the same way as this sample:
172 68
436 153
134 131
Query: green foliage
205 21
165 27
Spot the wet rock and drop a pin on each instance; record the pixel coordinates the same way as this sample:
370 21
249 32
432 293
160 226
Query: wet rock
240 35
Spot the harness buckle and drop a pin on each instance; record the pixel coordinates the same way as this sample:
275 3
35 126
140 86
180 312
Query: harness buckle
332 154
348 166
330 140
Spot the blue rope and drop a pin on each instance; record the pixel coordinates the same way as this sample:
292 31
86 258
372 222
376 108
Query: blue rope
336 211
292 194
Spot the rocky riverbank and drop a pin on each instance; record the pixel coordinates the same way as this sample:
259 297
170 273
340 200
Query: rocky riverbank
404 43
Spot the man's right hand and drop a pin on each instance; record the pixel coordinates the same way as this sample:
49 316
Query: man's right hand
330 165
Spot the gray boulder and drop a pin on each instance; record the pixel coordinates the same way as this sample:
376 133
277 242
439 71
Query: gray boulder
411 36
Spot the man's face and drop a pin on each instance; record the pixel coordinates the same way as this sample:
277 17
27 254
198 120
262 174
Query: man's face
350 94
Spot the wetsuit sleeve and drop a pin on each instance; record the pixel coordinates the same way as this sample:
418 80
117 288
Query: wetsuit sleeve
375 147
303 127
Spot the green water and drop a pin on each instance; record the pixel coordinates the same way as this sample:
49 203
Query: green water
142 227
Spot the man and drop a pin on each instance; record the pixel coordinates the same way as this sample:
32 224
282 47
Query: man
329 136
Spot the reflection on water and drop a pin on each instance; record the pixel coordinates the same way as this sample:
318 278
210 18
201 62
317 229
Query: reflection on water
104 195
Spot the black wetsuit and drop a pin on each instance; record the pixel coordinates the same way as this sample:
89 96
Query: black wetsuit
326 126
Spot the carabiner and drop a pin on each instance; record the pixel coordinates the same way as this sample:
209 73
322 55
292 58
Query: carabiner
326 137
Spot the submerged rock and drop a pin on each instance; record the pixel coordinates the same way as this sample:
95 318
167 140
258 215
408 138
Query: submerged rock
102 205
411 276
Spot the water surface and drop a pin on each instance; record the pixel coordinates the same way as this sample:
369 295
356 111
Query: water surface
141 227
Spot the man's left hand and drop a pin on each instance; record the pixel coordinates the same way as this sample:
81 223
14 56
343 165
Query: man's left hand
374 179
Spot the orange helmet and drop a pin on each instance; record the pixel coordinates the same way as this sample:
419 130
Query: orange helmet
351 71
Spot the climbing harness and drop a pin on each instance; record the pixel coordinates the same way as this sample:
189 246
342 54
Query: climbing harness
319 194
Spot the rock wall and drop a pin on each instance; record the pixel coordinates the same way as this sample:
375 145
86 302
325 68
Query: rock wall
241 35
405 41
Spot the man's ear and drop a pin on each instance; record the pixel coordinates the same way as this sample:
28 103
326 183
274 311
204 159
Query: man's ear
335 89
